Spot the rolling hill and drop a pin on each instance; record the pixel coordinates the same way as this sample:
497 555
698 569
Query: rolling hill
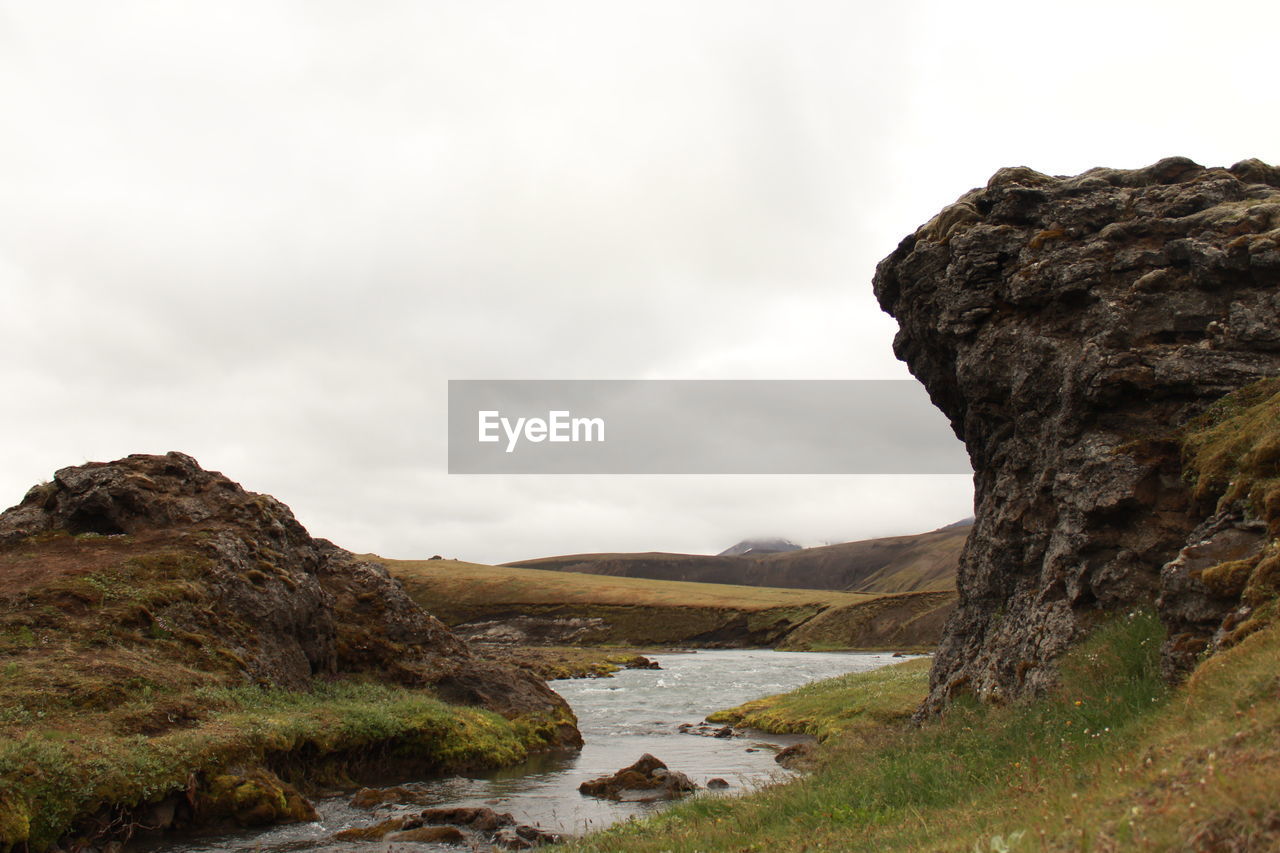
519 606
924 562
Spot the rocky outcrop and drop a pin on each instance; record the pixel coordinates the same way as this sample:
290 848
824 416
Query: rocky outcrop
1067 327
289 607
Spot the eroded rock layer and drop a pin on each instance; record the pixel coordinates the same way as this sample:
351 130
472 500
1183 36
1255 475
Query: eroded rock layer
1067 327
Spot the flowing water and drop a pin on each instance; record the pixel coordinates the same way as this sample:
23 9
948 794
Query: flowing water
635 712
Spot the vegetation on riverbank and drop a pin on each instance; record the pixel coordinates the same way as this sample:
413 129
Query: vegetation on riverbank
82 770
836 706
1111 760
553 662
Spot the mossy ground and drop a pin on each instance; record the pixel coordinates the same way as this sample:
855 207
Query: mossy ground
116 691
1113 760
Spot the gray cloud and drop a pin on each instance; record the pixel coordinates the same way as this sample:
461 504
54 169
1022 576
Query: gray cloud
267 234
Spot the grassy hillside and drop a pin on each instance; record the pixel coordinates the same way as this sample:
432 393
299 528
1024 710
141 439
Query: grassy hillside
922 563
1113 760
608 610
925 562
885 622
457 584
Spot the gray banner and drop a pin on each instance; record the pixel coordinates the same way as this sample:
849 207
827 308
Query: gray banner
698 427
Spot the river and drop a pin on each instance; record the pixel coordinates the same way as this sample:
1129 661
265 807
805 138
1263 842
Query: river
635 712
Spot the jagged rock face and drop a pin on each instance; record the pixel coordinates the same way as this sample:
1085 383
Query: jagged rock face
289 607
1067 326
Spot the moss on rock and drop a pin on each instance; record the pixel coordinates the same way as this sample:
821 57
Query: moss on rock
15 822
254 798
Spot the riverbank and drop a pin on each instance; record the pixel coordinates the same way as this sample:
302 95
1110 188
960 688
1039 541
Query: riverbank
1111 760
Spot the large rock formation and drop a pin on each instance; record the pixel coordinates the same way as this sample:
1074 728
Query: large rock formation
288 607
1068 327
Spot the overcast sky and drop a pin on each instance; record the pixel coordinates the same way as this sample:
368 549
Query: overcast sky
267 233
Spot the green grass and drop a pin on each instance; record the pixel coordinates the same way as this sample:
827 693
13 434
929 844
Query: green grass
860 700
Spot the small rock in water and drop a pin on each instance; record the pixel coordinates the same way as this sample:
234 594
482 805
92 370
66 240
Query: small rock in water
523 837
646 780
430 835
795 755
727 731
717 783
480 819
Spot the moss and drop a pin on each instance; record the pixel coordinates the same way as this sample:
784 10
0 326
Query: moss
1232 452
255 798
1232 458
1229 579
1263 584
15 822
1038 241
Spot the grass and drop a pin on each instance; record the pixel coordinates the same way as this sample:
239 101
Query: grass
473 583
1112 760
906 621
836 706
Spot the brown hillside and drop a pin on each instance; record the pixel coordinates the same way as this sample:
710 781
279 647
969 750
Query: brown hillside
922 563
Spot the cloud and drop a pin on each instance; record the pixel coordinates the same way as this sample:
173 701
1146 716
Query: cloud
267 234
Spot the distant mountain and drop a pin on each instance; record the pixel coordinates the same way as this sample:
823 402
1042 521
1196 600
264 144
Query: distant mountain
753 547
923 562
